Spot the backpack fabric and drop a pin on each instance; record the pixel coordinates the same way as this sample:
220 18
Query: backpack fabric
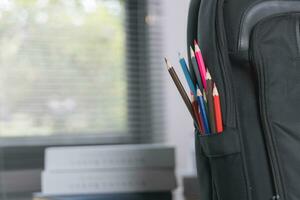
252 50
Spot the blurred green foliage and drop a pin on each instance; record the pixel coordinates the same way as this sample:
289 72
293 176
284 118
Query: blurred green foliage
62 67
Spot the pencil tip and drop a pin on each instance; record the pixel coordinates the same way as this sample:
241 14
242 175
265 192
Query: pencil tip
192 52
197 48
215 91
199 93
179 55
167 63
166 60
208 76
204 97
192 98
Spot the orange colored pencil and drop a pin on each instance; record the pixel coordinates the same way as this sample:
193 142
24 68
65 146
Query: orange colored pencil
218 112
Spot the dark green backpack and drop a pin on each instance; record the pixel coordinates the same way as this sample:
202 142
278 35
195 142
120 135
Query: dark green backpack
252 49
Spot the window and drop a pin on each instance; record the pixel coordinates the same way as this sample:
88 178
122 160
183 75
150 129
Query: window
62 67
76 67
77 72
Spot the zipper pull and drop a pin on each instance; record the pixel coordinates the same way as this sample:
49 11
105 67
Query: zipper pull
276 197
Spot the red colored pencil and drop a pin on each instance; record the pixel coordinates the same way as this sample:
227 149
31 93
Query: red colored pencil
218 112
201 65
197 114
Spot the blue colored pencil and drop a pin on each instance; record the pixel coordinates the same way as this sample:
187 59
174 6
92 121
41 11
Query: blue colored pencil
203 111
187 74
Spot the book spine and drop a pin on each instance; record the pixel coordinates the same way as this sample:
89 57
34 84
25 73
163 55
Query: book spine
118 196
107 182
93 159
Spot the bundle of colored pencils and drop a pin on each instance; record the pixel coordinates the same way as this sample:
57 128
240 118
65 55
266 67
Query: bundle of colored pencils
204 102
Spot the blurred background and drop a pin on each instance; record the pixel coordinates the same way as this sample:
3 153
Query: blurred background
88 72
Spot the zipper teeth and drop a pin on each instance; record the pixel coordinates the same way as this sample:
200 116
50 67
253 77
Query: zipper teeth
269 138
265 126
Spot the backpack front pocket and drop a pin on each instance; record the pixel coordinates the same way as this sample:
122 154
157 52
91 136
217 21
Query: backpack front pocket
222 152
275 54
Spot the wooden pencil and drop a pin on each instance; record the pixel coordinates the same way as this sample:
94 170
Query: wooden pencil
218 111
196 70
187 74
203 112
205 98
210 101
197 114
201 65
180 89
192 71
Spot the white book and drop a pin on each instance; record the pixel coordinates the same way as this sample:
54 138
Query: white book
103 182
109 157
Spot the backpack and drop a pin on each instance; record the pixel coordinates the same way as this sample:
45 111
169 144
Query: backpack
252 50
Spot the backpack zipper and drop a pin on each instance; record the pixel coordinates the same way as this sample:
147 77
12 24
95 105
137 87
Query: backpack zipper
269 139
224 62
230 102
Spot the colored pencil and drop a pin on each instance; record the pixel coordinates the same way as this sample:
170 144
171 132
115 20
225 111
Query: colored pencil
187 74
192 71
197 114
203 111
210 101
180 89
195 67
201 65
218 112
204 97
205 101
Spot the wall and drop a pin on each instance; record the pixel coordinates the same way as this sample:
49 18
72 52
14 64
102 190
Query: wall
179 126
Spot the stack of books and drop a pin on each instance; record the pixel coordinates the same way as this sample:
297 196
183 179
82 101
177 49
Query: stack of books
135 172
191 187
